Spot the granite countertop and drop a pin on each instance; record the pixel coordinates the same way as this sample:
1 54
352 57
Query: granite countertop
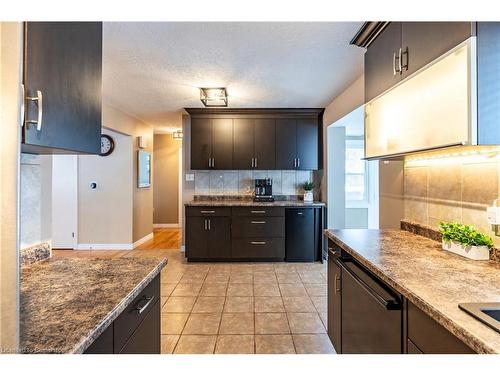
434 280
251 203
66 303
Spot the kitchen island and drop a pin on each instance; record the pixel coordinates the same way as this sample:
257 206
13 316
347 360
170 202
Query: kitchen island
429 279
68 303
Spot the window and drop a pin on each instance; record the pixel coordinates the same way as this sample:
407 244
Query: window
355 171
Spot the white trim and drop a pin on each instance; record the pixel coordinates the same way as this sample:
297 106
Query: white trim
104 246
142 240
180 181
161 225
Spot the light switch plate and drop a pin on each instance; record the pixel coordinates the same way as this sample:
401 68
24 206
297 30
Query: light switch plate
189 176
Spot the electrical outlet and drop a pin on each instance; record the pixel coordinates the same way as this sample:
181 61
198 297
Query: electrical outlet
189 176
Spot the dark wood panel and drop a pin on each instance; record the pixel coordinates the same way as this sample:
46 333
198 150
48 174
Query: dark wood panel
265 143
430 337
219 238
258 248
103 344
222 143
131 317
258 227
258 211
426 41
412 348
146 339
286 143
334 304
64 61
201 143
208 211
379 58
488 82
196 237
307 143
243 133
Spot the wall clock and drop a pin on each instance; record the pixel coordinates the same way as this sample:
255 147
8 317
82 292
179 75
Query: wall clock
107 145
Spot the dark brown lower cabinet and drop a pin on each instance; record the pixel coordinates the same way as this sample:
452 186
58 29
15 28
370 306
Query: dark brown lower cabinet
137 329
334 303
207 236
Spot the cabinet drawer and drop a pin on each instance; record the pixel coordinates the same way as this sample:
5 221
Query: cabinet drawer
412 348
258 211
258 248
258 227
208 211
135 313
430 337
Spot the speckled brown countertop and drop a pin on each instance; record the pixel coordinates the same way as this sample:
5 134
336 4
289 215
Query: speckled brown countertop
251 203
66 303
436 281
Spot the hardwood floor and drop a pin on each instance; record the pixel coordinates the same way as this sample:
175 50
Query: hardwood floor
164 238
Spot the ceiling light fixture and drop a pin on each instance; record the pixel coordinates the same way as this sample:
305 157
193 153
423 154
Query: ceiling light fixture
213 97
177 134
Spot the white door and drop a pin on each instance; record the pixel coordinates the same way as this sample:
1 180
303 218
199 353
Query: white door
64 201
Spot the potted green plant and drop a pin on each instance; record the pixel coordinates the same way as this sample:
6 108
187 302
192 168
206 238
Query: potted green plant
465 240
308 191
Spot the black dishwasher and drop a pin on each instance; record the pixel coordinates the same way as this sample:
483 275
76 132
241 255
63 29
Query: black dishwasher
300 235
371 313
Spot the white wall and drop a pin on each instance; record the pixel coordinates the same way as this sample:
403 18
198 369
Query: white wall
105 215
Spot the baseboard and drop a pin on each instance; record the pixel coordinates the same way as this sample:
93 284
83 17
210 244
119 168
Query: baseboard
160 225
104 246
142 240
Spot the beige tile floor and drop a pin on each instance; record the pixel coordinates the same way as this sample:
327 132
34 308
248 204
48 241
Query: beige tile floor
243 308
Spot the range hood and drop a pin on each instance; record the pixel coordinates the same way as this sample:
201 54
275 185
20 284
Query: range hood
432 109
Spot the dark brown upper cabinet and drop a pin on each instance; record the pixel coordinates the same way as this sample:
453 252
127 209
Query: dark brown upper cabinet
62 82
211 143
297 143
254 144
380 61
245 139
402 48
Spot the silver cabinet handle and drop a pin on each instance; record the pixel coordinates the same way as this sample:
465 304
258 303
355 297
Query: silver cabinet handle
209 162
205 222
295 163
209 224
401 65
23 106
258 242
400 58
300 213
39 99
336 283
258 212
298 162
207 211
252 163
256 164
257 222
394 64
213 162
143 308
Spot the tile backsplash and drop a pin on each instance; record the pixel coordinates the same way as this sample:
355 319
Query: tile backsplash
458 191
241 182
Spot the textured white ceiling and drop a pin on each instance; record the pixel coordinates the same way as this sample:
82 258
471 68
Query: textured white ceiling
153 70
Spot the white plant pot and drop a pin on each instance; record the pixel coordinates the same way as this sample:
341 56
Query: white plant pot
308 196
471 252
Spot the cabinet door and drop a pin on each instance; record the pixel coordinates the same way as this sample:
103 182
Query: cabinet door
307 143
243 133
222 143
265 143
219 238
379 61
63 61
201 143
286 143
146 338
334 304
426 41
196 237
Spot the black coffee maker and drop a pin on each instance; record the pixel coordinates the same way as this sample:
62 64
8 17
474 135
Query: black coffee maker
263 190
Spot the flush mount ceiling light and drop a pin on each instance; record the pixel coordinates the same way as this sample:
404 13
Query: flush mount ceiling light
213 97
177 134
